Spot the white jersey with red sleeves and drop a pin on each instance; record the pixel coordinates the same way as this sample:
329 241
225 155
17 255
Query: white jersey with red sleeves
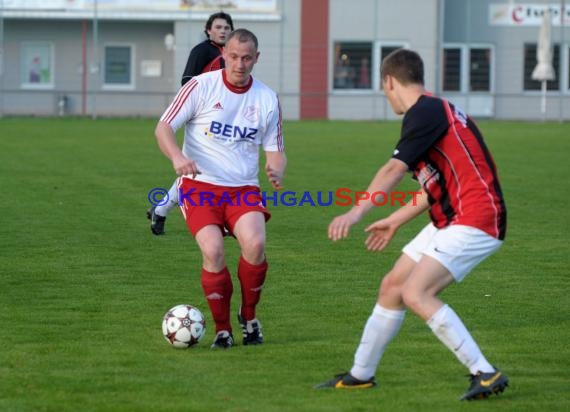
225 126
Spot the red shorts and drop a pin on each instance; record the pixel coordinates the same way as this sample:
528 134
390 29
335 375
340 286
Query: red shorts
204 204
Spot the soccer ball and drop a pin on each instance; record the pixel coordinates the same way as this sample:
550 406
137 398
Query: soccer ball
183 326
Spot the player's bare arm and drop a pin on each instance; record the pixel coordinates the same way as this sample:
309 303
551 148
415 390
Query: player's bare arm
381 232
385 180
275 165
167 143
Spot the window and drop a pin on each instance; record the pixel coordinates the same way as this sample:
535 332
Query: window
467 69
480 70
352 65
36 68
357 64
452 70
118 66
530 64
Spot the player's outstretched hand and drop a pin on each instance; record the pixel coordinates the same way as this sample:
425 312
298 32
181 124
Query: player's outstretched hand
275 178
340 226
380 233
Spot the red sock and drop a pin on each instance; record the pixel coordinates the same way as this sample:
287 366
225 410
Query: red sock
218 289
251 279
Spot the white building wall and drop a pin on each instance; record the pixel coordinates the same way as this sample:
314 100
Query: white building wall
424 26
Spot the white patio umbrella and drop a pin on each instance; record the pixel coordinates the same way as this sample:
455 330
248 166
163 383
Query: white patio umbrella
544 70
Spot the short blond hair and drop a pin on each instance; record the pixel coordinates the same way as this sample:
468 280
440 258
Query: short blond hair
243 36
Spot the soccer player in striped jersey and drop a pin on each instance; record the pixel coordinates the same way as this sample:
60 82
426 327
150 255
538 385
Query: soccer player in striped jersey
204 57
228 116
444 150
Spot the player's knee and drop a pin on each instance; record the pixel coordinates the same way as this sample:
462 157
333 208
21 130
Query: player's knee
390 286
412 297
387 288
253 250
213 254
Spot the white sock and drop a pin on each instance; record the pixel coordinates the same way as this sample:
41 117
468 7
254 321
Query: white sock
381 327
452 332
163 210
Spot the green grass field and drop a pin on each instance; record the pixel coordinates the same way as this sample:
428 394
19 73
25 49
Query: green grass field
84 284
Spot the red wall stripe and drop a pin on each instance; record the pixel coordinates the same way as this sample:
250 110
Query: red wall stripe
314 59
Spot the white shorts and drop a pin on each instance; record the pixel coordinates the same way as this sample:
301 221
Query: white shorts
459 248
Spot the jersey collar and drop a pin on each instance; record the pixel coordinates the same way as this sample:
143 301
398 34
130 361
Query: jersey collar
220 47
237 89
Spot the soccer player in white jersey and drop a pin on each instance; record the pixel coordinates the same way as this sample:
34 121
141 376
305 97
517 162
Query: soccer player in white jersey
228 115
204 57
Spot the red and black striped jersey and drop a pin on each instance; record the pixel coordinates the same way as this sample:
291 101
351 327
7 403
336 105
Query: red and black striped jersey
446 153
204 57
